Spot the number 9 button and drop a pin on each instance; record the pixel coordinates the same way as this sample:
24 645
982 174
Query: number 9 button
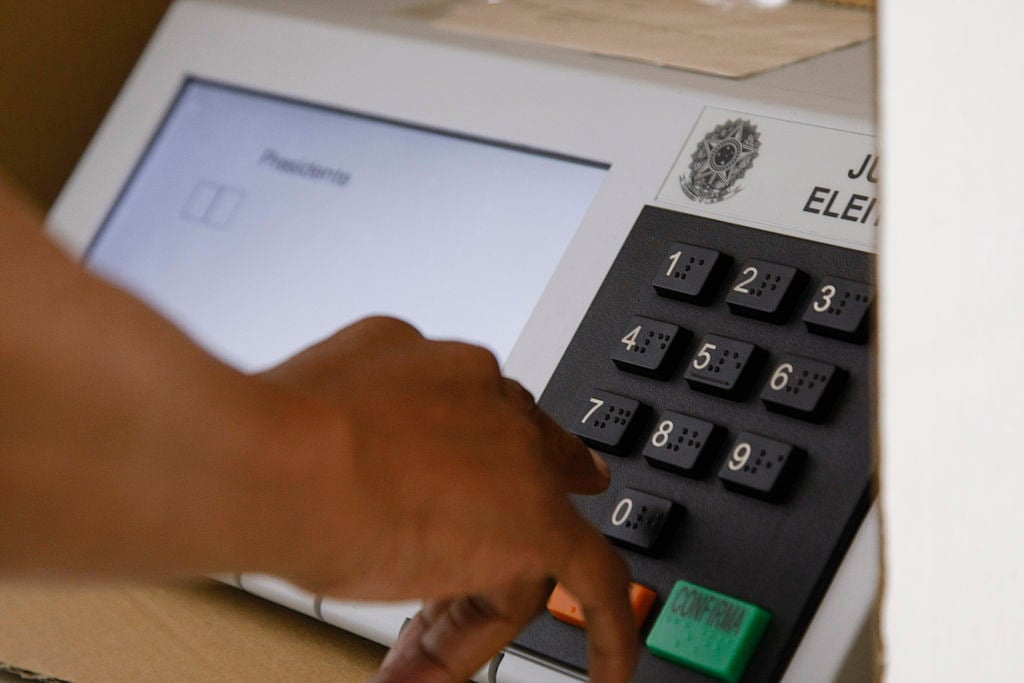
759 466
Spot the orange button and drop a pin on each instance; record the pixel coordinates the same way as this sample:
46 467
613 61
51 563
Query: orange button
564 606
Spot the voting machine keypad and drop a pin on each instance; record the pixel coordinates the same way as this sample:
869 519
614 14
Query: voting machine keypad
725 373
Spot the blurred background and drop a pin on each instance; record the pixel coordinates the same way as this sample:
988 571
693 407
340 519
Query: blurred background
64 62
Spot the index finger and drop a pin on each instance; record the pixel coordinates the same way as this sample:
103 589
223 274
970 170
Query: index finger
599 578
576 468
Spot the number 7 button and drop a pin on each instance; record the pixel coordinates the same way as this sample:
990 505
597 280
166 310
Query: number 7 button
606 420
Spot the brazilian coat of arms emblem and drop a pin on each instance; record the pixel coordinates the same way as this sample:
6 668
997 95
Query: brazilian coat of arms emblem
720 160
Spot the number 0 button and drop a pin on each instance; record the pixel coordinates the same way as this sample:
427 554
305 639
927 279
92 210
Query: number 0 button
606 420
637 520
759 466
649 347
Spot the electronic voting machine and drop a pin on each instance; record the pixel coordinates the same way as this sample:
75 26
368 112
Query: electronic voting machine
680 266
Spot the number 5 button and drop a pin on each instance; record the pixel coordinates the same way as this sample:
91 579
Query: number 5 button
801 387
649 346
606 420
721 365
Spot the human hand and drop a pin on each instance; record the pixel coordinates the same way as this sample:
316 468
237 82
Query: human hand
453 488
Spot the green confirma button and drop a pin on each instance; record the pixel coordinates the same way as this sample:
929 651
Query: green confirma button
707 631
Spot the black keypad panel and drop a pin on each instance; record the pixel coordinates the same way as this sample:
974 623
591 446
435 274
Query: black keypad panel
764 290
636 520
649 347
681 443
801 387
759 466
840 309
606 419
721 365
733 483
688 272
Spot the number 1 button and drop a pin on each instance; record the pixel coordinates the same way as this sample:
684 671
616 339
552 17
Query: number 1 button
648 347
606 420
689 273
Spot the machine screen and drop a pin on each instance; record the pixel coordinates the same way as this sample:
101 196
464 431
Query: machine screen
261 225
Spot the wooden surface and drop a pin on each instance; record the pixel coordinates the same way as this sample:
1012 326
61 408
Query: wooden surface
151 633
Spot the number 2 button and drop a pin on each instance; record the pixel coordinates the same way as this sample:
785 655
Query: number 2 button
763 290
649 347
606 421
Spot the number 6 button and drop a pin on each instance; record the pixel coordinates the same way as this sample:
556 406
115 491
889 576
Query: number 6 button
606 420
801 387
637 520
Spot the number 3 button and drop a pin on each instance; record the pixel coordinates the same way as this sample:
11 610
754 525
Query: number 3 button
840 309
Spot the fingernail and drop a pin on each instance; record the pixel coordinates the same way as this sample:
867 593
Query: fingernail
601 465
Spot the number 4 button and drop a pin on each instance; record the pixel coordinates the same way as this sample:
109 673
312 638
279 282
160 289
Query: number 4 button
649 347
